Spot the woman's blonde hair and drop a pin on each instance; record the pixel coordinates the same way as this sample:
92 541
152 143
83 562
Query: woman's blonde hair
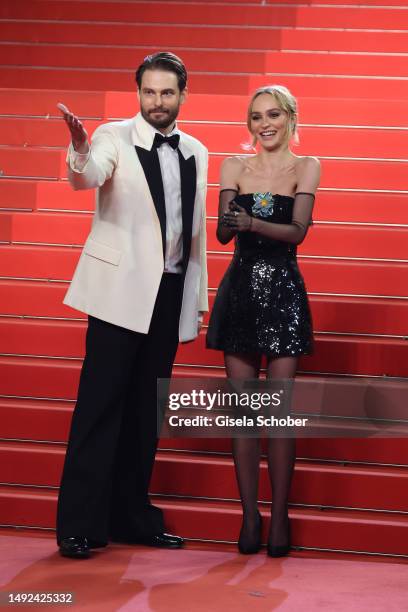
286 101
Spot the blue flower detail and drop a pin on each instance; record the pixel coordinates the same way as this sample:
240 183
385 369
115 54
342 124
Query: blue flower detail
263 206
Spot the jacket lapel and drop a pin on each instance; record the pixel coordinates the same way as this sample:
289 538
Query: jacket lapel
151 167
142 136
188 178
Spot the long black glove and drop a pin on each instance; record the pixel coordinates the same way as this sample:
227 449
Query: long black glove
238 220
225 205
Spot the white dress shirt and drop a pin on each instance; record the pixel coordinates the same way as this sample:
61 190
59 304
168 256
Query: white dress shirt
170 171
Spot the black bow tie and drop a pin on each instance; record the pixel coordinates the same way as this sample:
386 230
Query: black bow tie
173 140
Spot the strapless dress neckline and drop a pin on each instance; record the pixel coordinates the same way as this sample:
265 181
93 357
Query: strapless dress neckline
269 193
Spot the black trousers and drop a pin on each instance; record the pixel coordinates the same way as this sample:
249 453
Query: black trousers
113 438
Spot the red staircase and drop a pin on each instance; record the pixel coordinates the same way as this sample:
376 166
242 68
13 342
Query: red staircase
347 65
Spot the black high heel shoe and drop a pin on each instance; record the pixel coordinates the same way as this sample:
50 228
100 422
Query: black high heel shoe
280 551
251 548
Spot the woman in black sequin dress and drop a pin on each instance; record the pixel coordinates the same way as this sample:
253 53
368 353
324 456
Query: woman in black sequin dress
261 308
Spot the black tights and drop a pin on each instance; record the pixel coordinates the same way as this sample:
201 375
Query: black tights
247 453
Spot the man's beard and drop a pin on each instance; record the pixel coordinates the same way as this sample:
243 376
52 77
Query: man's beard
169 117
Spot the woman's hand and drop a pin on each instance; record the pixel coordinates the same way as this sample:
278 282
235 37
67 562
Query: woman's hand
237 218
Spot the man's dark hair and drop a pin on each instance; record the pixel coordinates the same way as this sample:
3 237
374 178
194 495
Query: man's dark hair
163 61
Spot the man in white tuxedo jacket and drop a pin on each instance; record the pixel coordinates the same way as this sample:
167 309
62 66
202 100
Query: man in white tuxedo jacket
142 280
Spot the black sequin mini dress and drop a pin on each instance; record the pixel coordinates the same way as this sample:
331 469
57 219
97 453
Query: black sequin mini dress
261 304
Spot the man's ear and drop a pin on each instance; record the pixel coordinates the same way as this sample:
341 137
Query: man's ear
138 94
183 95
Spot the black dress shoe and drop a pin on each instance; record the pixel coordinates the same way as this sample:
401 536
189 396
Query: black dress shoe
96 543
77 547
163 540
160 540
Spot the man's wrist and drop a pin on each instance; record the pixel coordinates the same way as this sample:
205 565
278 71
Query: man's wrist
82 148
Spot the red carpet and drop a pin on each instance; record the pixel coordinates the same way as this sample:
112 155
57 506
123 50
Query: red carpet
201 578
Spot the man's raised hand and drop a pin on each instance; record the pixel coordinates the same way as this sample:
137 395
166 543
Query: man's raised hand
79 135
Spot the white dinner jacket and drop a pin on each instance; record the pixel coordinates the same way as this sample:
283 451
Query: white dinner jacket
120 268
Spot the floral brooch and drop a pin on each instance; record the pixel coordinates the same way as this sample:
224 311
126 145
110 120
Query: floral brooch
263 206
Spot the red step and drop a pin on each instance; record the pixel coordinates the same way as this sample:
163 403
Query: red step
31 132
328 529
6 220
31 419
323 240
302 86
208 107
359 315
173 36
37 102
39 378
312 110
386 451
321 276
345 174
336 276
318 141
25 462
208 476
42 377
39 162
49 420
18 194
59 195
35 299
343 40
119 57
359 207
335 63
50 263
339 142
28 507
36 377
313 483
337 354
376 532
208 60
51 228
222 14
333 354
117 80
330 313
321 86
32 162
350 206
373 3
43 337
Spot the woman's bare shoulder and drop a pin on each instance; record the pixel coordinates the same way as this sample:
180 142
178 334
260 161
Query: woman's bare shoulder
307 173
233 168
236 162
307 162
